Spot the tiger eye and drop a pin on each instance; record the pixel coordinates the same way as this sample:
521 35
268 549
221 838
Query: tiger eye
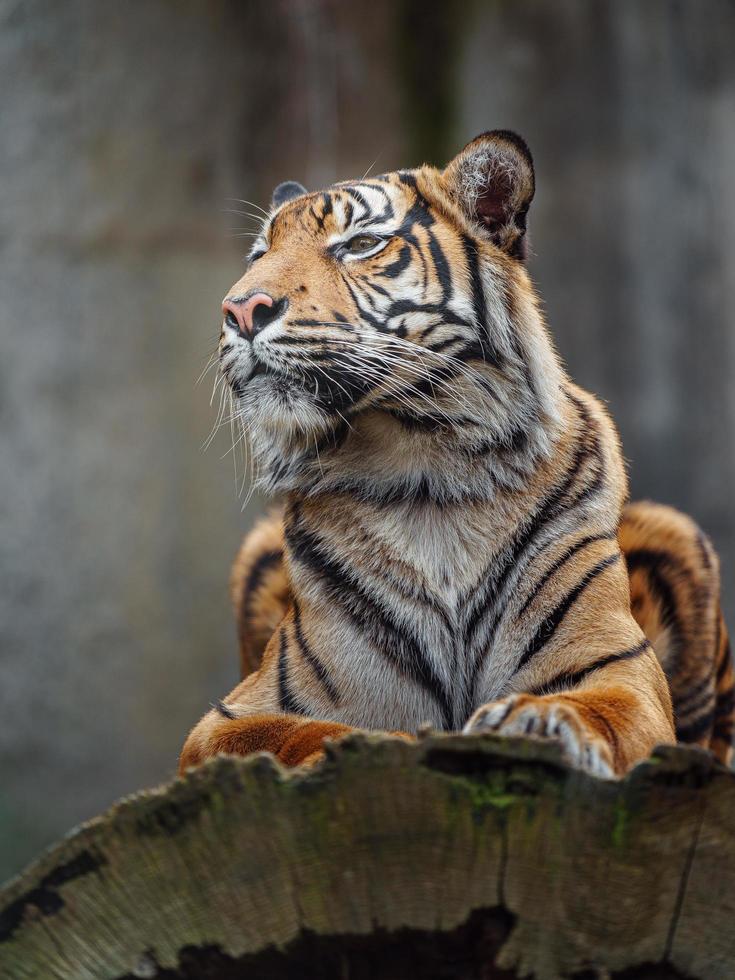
362 243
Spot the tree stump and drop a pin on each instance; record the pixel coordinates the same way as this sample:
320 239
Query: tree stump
452 857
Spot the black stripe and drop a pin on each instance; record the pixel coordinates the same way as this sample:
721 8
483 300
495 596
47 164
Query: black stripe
686 700
373 321
560 561
512 445
695 730
718 641
371 617
437 348
361 200
474 351
725 704
308 654
369 283
387 211
551 623
336 386
424 421
723 732
724 663
441 266
652 562
326 209
421 493
479 305
406 177
417 422
265 561
401 307
286 699
692 702
334 439
399 265
549 508
573 679
222 708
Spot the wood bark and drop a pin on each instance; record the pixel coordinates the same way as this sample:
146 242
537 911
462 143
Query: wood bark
472 857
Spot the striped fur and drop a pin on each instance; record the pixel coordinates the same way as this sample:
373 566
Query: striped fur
675 596
260 589
449 551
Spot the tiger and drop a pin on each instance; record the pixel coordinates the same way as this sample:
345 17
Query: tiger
454 548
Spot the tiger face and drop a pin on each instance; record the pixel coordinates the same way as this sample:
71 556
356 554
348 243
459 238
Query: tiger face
394 303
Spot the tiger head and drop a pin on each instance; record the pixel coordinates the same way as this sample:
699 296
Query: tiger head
385 328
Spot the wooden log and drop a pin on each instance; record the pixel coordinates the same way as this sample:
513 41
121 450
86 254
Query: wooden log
472 857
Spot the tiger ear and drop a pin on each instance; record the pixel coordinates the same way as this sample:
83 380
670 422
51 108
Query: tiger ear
286 191
492 180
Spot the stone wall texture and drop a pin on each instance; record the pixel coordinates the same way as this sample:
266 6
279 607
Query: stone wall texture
129 132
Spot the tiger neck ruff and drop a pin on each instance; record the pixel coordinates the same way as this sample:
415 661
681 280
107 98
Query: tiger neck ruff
448 551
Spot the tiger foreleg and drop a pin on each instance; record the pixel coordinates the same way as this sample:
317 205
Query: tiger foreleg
292 739
553 717
603 730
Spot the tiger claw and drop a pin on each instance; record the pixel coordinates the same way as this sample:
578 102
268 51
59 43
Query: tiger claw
546 718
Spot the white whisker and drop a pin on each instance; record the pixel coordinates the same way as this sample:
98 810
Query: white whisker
250 204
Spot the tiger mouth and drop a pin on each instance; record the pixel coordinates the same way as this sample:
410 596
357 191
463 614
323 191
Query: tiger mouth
260 370
264 370
275 382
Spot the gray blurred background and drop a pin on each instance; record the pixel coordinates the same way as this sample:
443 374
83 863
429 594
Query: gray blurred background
126 131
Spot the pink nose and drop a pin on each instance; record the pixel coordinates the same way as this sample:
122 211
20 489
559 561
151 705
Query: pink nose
244 311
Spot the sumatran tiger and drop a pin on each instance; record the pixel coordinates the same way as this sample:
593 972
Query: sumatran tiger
454 548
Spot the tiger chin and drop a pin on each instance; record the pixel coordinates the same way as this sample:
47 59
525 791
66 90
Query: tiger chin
454 546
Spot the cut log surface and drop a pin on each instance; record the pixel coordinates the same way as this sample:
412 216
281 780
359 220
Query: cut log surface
455 856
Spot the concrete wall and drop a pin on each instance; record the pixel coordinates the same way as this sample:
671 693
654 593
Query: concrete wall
126 130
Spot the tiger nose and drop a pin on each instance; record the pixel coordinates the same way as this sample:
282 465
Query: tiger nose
250 315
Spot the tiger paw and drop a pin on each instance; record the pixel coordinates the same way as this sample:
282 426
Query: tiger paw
293 740
550 718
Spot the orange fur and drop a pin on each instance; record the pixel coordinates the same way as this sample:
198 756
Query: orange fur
293 741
